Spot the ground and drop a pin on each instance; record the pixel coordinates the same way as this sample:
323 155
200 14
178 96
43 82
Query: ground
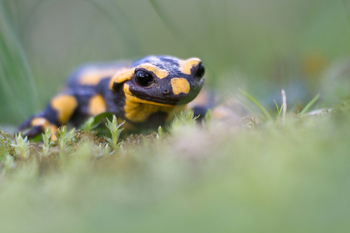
267 176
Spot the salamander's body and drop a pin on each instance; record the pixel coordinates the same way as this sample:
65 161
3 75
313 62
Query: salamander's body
145 93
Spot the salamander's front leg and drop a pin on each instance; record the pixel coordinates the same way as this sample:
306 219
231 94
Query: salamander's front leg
58 112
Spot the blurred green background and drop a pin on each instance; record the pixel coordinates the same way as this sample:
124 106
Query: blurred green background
261 46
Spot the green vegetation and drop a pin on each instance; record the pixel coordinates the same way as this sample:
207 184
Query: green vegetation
269 172
260 177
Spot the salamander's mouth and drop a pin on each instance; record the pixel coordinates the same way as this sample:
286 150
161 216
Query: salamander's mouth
170 102
151 101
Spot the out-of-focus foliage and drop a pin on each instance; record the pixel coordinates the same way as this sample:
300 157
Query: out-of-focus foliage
263 177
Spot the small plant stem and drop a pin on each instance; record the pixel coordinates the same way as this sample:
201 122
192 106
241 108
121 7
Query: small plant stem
284 105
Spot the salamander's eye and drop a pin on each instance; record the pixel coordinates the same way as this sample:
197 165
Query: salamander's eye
200 72
143 78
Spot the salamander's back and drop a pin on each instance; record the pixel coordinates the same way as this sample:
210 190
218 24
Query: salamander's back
90 74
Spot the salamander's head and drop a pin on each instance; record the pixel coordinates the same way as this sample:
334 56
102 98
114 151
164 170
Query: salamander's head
161 80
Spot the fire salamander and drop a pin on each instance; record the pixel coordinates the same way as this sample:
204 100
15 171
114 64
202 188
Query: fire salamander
146 93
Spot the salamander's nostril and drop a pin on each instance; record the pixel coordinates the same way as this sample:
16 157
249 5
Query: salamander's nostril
166 91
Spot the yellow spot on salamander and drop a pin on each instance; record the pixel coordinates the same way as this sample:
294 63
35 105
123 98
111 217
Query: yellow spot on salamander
121 76
125 75
180 85
93 77
53 130
160 73
65 106
187 65
44 123
97 105
40 121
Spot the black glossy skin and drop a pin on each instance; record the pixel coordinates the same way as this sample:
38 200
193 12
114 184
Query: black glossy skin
158 90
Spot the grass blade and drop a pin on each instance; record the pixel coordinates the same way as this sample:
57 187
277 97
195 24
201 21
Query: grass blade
310 104
278 109
268 116
16 75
